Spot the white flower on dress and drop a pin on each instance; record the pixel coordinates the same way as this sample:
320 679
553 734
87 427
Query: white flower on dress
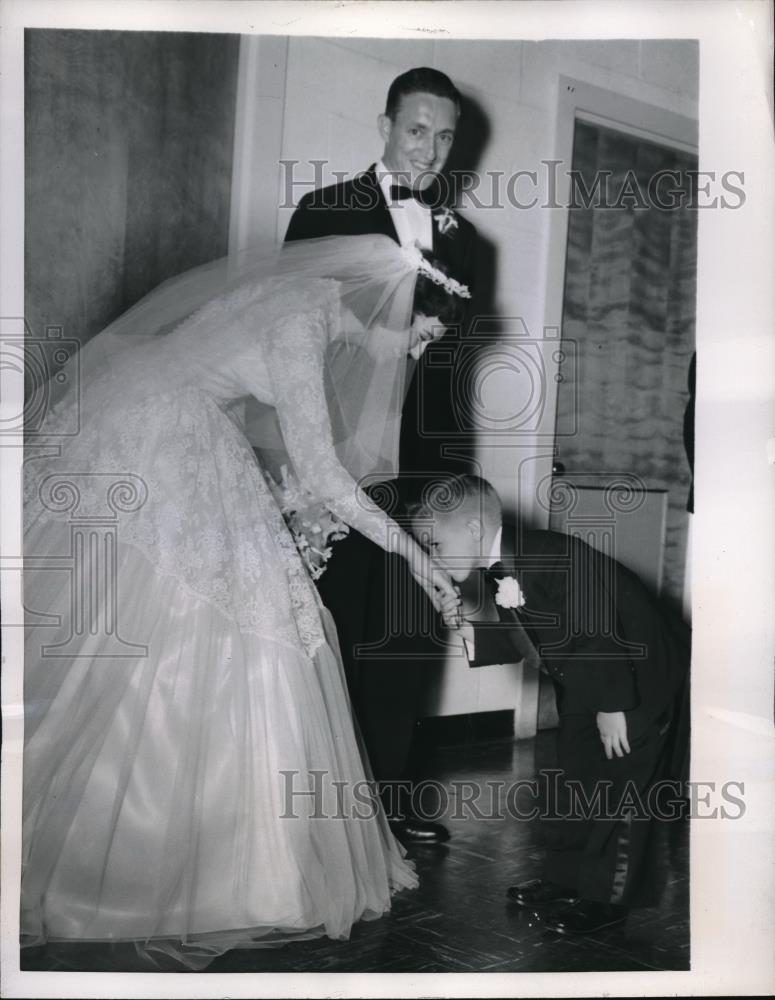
509 593
311 524
446 221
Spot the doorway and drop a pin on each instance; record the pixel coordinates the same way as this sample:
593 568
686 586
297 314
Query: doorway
629 308
621 477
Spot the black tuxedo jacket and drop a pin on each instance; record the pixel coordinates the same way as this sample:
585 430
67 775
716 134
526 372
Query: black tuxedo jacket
602 636
357 207
361 582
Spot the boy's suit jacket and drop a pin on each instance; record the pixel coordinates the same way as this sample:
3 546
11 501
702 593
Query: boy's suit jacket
600 634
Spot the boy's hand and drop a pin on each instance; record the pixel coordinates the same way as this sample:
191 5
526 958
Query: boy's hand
612 727
466 631
450 609
452 616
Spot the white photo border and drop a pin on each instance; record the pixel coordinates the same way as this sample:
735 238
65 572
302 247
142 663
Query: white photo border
733 865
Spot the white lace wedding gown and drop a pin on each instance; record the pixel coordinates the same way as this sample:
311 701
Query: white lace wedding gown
161 785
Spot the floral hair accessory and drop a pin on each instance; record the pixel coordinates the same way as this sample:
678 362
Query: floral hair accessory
417 260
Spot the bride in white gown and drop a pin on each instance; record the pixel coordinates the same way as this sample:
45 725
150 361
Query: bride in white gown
183 686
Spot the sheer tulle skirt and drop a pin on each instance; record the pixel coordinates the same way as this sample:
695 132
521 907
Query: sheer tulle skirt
206 794
186 799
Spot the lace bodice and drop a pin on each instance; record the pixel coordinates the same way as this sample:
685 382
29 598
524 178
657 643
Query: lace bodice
272 348
163 412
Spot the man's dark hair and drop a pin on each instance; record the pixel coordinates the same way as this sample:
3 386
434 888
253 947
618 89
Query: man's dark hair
421 80
431 299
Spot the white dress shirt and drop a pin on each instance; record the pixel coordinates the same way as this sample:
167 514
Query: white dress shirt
412 220
494 556
495 551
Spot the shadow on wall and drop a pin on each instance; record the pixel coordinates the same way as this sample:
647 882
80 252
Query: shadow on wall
484 326
449 406
471 141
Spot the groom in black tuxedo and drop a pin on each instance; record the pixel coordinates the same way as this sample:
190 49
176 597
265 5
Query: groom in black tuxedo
618 662
402 196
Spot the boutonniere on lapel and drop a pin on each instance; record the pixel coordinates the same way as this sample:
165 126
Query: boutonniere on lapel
509 593
445 220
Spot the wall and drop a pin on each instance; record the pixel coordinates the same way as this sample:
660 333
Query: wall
308 99
334 90
128 150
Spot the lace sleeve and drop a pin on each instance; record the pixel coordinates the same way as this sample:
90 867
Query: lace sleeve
295 364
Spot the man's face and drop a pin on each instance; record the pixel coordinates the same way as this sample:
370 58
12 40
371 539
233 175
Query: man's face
454 540
418 142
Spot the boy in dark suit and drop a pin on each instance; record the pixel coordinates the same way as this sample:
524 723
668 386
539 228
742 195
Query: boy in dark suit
617 661
401 196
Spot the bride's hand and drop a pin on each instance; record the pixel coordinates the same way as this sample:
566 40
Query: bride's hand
434 580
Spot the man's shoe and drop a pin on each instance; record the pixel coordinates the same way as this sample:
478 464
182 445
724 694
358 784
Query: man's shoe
585 917
419 831
539 893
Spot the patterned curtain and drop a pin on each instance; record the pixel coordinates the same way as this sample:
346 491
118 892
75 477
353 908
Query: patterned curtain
128 158
630 306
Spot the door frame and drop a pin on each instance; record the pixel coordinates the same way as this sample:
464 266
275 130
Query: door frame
578 100
259 119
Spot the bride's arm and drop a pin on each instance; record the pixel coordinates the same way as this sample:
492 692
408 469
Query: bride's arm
295 364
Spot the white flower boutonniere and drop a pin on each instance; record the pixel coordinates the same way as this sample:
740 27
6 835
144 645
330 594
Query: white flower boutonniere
446 221
509 593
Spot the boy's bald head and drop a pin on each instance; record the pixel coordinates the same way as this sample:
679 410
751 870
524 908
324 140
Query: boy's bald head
461 495
457 518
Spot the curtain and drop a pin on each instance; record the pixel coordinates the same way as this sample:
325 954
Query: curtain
128 157
630 307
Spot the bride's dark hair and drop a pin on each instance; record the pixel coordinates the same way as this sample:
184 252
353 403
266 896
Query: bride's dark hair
431 299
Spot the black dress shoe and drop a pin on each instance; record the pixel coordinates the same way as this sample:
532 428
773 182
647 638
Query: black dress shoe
419 831
539 893
585 917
